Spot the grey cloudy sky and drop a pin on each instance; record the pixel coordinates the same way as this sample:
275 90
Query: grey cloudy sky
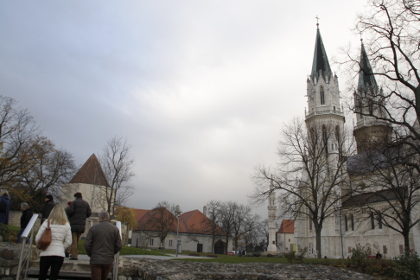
200 89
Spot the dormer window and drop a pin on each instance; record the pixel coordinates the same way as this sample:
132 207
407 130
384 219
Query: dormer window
322 95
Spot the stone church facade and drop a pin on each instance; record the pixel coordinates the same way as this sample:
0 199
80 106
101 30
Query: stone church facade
350 225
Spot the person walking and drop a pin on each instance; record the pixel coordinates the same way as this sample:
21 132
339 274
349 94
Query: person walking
49 205
102 242
77 212
4 207
24 219
53 256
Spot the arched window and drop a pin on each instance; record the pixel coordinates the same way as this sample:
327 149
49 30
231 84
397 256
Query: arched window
322 95
325 138
346 225
372 220
352 222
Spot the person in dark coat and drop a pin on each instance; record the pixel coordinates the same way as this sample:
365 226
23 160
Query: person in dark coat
4 207
103 241
77 213
49 205
24 220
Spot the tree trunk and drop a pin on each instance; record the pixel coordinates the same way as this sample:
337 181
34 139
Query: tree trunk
318 243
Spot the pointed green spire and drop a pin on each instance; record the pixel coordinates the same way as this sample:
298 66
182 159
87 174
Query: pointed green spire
367 81
320 65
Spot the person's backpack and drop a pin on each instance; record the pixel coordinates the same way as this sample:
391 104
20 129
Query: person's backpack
3 206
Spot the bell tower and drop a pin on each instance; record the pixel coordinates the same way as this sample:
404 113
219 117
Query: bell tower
370 130
324 116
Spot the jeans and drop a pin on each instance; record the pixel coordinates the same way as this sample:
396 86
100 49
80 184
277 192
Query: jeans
100 271
46 262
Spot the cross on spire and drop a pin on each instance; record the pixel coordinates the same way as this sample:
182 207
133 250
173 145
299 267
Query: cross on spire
317 22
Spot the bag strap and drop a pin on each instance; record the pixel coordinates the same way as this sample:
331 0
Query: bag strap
48 223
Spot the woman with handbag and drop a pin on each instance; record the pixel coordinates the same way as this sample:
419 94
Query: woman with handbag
53 255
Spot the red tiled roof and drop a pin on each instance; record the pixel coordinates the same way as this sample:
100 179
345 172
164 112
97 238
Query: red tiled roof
196 222
91 173
287 226
189 222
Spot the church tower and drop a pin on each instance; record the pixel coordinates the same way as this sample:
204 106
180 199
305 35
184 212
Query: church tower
324 117
368 103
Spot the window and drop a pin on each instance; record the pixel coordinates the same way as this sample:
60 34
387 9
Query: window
325 138
346 223
380 221
322 96
170 243
352 222
372 220
151 241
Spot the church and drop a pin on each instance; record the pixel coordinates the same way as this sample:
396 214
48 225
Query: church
359 216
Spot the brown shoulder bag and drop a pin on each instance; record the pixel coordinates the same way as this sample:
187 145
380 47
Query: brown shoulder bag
46 238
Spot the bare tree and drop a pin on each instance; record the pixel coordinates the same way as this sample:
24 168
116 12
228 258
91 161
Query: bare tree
391 42
390 31
116 162
213 215
17 129
160 221
393 189
310 174
46 172
30 165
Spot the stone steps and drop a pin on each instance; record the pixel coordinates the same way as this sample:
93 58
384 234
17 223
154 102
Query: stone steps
71 269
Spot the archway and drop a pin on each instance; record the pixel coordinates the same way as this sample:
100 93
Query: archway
219 247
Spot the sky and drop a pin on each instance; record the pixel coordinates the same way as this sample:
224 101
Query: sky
199 89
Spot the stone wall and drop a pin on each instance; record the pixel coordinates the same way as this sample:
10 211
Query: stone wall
9 259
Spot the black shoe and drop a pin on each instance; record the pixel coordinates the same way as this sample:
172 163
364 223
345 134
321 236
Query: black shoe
73 259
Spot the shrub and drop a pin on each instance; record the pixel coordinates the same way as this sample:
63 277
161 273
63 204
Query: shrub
359 258
296 257
5 232
408 266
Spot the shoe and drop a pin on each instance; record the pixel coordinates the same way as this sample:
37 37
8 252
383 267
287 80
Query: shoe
73 259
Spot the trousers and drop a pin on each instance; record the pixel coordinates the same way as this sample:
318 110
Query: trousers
46 262
100 271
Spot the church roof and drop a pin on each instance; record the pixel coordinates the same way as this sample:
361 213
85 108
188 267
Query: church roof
287 226
320 65
91 173
374 197
367 81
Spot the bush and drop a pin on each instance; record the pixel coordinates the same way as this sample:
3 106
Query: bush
359 258
296 257
408 266
9 233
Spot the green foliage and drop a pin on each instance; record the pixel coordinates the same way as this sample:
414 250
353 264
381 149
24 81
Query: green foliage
296 257
5 232
408 266
9 233
359 258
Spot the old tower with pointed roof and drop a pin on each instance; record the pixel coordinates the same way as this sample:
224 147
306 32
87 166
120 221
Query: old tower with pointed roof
91 181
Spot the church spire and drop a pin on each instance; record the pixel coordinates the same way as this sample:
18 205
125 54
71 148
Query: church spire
320 65
367 81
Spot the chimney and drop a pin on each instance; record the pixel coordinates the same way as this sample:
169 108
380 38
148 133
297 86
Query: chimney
205 211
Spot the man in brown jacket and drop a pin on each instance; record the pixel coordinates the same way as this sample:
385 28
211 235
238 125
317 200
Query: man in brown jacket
103 241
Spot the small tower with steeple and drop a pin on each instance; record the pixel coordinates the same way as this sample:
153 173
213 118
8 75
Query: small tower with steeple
370 130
